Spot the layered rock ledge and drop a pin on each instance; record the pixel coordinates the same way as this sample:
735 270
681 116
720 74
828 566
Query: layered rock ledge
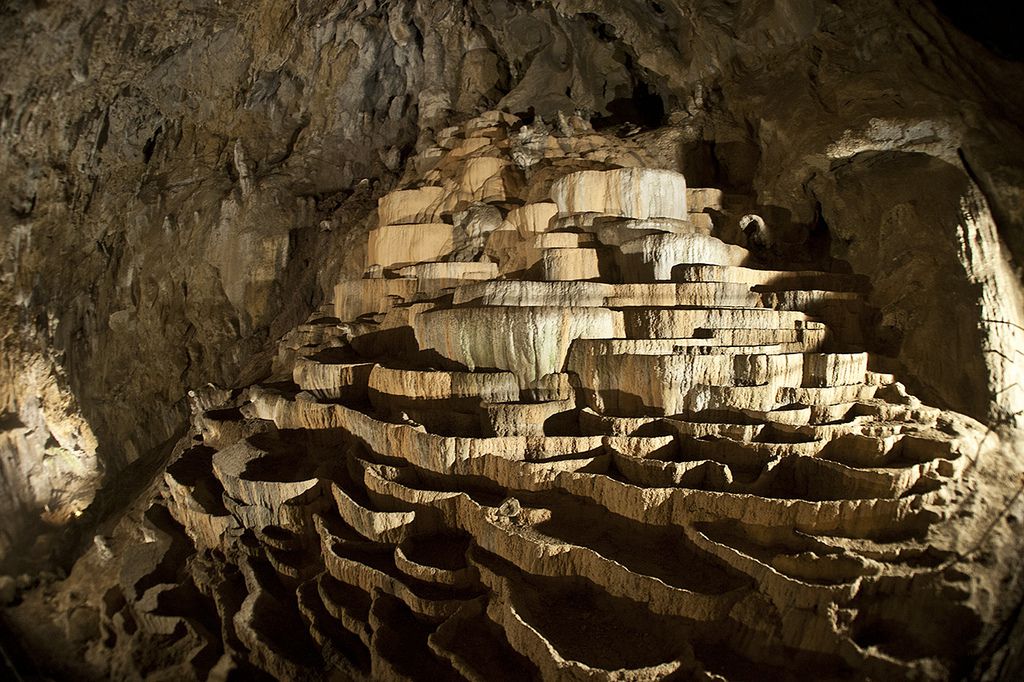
563 429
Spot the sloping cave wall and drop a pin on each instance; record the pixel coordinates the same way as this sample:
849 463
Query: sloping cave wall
182 181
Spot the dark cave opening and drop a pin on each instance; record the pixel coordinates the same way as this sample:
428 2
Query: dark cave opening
527 117
150 146
993 24
700 163
644 108
729 164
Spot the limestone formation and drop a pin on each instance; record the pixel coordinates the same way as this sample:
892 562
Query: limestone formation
626 193
663 459
187 192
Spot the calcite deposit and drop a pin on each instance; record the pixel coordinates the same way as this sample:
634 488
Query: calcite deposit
563 429
628 334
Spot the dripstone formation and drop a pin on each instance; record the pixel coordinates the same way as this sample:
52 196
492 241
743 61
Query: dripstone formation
564 428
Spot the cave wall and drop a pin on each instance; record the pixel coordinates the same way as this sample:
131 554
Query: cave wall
182 183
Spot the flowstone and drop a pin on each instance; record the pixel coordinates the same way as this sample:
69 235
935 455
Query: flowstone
598 442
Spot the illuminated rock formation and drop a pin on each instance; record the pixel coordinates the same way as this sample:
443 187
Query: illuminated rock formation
601 443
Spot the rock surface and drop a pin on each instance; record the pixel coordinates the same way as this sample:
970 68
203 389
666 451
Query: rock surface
690 474
184 183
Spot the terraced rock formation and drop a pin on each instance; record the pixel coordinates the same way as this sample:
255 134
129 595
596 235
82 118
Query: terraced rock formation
564 429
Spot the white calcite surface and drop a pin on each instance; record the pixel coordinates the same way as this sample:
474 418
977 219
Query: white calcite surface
400 245
528 341
625 192
654 257
411 206
531 218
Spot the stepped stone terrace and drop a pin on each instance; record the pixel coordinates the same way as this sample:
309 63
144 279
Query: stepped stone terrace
568 427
